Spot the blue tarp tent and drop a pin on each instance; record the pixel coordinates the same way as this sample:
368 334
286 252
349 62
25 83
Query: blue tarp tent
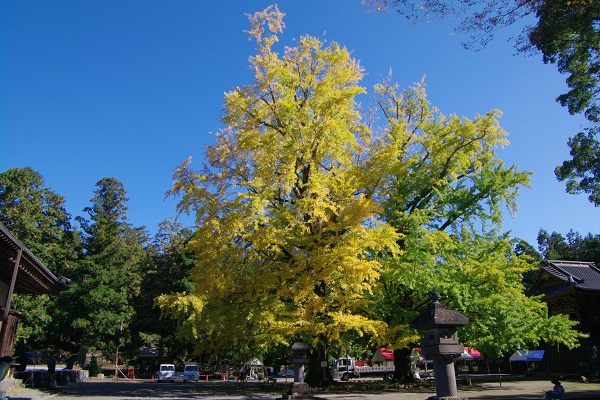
528 356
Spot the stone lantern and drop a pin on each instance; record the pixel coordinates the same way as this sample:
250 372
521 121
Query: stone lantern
300 351
441 344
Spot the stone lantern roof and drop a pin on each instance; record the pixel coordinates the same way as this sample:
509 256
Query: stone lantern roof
300 346
437 316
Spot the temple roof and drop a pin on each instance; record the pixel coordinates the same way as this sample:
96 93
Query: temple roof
33 276
559 275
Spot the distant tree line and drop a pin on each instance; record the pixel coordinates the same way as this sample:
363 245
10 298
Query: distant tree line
116 270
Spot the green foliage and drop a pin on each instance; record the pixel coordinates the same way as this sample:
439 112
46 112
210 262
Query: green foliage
38 218
93 368
483 279
442 170
37 315
530 255
443 182
311 221
165 272
105 268
567 34
574 247
582 172
109 275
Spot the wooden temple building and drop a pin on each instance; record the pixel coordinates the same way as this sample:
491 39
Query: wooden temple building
572 288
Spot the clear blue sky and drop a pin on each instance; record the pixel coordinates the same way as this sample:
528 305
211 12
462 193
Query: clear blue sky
129 89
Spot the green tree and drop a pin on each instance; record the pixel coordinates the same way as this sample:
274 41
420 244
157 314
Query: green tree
37 216
109 275
575 247
567 33
484 280
480 276
529 254
582 172
442 184
166 271
286 222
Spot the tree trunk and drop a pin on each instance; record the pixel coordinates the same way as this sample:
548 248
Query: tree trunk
499 371
402 370
316 375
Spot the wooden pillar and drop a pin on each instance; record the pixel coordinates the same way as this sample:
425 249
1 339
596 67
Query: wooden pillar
9 325
9 331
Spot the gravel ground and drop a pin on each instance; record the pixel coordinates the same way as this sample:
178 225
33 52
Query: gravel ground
108 389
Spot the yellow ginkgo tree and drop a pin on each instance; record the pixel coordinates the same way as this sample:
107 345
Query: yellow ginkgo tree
286 226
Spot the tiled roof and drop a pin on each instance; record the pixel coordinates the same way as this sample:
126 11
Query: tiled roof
580 274
33 276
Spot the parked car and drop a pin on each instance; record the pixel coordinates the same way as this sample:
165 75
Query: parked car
190 372
166 372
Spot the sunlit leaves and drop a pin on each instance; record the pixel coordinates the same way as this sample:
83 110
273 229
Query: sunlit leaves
286 226
481 277
567 33
183 307
445 190
442 169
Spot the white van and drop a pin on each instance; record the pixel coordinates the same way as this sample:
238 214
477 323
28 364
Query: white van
166 372
190 372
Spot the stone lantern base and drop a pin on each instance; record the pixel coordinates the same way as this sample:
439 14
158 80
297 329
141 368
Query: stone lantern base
301 390
298 391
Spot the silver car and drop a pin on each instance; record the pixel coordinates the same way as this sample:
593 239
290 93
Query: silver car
166 372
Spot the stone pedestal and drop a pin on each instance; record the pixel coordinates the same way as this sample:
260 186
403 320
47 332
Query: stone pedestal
298 372
445 379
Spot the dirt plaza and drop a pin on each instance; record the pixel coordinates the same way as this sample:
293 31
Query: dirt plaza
110 389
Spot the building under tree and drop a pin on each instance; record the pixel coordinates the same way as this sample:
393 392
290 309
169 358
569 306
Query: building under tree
572 288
